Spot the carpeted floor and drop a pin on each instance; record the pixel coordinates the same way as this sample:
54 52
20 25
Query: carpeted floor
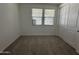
40 45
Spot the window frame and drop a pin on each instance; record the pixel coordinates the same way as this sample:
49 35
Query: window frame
43 12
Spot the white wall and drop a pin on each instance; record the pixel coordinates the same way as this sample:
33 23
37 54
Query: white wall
68 23
26 20
9 24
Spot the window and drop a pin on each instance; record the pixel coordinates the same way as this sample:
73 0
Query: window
43 16
49 16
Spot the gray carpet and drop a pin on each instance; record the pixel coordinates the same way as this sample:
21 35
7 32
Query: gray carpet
40 45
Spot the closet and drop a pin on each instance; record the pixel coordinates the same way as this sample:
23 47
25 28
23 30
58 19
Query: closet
68 23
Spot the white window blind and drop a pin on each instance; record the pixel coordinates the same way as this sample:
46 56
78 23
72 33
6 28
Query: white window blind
43 16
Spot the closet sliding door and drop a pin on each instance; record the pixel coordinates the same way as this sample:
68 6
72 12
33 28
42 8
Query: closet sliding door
64 12
68 23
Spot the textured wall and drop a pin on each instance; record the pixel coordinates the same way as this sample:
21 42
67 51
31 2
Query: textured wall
9 24
26 20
